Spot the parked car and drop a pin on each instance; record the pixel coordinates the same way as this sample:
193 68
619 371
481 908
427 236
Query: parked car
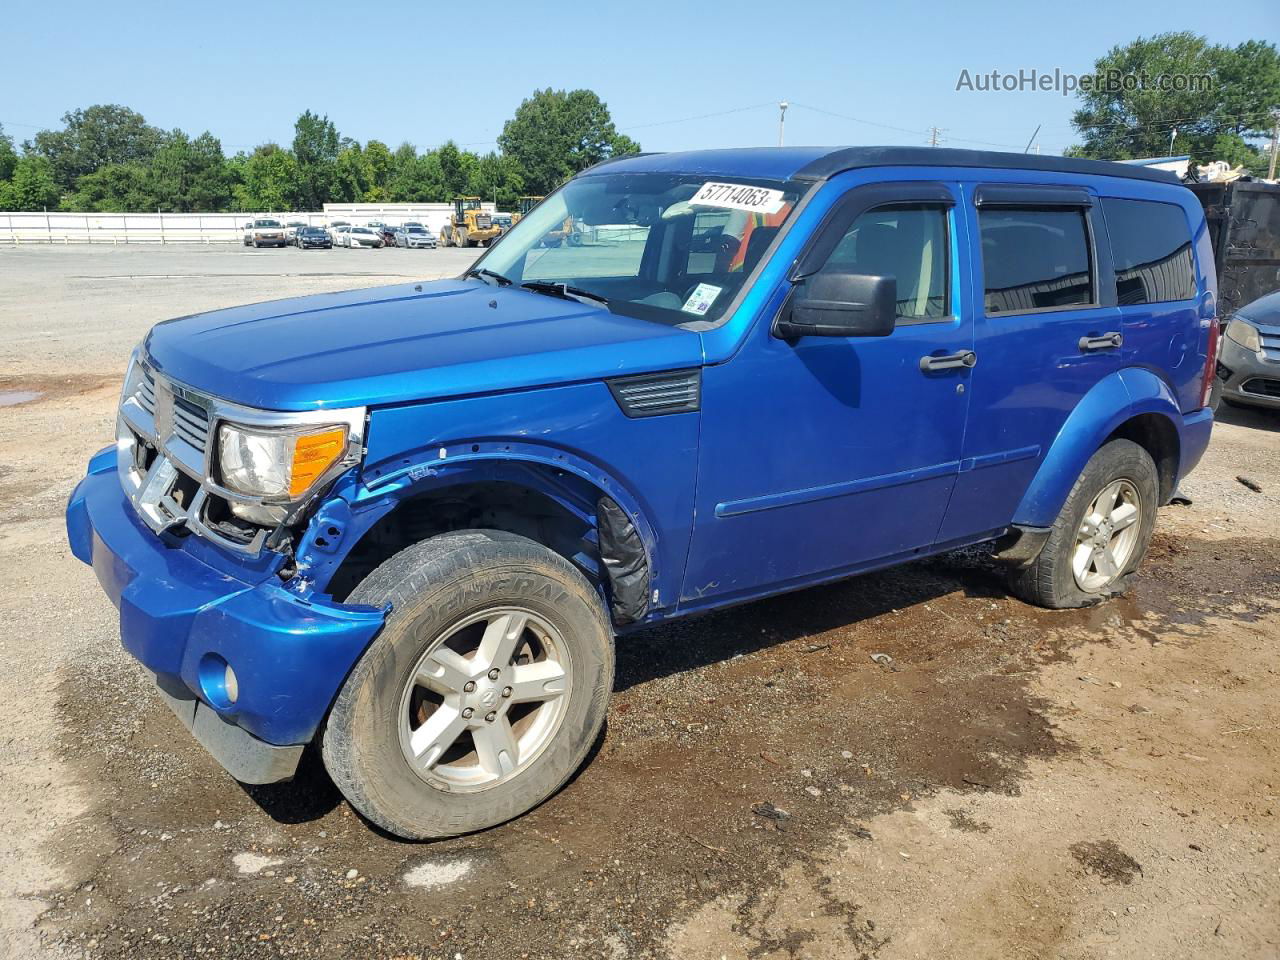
388 235
334 227
360 237
1249 365
415 518
414 235
311 238
264 233
291 229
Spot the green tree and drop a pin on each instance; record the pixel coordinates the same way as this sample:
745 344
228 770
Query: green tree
1237 102
190 175
92 138
267 180
8 156
31 187
555 134
497 177
353 179
115 188
380 166
316 146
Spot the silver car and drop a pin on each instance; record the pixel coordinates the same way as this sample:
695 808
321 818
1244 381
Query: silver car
1249 355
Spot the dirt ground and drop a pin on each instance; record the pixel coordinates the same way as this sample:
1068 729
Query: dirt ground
1009 783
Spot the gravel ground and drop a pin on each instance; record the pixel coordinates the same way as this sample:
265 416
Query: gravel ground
1010 783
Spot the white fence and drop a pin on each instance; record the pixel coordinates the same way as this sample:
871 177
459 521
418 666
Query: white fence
115 228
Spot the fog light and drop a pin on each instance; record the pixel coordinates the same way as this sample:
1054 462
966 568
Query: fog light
218 682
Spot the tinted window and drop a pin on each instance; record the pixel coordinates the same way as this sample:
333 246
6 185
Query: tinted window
908 243
1151 245
1034 259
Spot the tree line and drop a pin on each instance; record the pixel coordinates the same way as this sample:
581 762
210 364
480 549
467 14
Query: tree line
107 158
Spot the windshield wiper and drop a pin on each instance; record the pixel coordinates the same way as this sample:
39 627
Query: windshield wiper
490 277
564 292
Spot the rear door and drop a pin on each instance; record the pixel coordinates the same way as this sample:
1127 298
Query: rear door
1046 331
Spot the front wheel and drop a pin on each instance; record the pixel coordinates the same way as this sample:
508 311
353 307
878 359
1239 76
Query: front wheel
483 693
1101 534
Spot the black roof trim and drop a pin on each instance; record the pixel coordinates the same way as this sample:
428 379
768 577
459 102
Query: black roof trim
853 158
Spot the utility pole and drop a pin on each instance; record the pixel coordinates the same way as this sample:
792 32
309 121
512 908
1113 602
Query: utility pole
935 136
782 119
1275 147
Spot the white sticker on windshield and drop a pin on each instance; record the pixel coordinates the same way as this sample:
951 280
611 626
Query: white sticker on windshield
700 301
735 196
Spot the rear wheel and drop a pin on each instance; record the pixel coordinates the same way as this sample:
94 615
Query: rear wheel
461 235
1101 534
482 694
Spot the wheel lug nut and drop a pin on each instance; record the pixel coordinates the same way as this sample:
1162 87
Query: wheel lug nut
469 686
491 716
466 713
506 691
494 673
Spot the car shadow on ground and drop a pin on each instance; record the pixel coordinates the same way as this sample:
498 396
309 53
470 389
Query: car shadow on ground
652 653
697 642
1255 417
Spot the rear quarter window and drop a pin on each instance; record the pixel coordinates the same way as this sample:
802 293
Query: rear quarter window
1151 247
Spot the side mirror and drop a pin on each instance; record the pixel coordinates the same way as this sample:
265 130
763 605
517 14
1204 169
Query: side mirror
836 304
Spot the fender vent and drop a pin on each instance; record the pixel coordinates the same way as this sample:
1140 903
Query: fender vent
655 394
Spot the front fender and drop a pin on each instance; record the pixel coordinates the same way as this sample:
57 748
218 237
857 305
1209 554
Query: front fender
1118 397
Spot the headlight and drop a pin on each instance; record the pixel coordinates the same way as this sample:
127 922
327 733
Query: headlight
280 464
1245 334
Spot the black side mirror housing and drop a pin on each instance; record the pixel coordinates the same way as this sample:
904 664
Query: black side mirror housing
837 304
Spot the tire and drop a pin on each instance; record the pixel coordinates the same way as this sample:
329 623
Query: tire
255 243
1054 579
461 235
437 589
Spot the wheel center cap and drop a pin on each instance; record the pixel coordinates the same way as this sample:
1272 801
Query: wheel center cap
489 697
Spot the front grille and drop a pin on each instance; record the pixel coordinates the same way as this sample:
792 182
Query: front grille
175 411
147 392
483 223
655 394
1263 386
1270 344
191 423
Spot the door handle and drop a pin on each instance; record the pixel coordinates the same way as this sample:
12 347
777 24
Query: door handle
952 361
1108 341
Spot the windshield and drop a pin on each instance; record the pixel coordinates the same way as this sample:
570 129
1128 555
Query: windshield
414 230
361 230
267 223
663 246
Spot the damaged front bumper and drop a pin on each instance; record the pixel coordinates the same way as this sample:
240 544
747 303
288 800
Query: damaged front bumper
188 612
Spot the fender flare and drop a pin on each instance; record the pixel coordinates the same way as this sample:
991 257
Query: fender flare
361 497
1117 398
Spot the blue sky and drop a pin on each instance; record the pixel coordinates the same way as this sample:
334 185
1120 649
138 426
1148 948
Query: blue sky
395 70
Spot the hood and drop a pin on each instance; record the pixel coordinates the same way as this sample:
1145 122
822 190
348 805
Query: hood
405 343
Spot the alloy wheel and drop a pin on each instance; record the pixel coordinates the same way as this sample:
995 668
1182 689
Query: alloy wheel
1107 536
484 700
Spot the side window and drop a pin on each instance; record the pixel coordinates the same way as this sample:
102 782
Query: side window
1035 259
1151 246
907 242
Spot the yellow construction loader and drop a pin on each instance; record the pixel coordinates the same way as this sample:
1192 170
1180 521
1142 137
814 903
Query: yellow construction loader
469 225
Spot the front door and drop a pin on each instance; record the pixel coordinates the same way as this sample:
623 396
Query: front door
823 455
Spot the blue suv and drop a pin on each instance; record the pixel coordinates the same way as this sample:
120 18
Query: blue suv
406 524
